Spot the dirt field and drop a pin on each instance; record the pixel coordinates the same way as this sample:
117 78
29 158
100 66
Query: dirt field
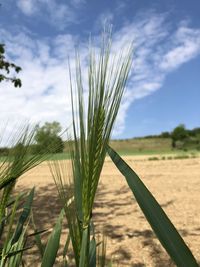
131 242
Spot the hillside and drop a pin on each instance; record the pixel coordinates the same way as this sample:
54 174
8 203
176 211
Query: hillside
151 145
142 145
180 139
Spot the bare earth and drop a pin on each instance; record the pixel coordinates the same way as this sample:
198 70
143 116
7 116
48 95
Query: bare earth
130 240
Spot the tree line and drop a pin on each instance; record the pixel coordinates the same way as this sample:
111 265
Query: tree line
181 137
46 140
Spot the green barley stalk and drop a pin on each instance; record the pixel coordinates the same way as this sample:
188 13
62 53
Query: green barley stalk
92 127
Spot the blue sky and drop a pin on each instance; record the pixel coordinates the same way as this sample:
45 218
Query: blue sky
163 89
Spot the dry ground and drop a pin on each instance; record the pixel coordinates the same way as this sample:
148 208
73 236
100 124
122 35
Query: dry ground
131 242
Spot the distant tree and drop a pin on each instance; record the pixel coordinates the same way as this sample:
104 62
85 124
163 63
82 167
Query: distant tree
165 135
195 132
6 67
4 151
179 134
47 138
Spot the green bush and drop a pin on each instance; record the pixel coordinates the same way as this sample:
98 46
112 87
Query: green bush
47 139
153 158
4 151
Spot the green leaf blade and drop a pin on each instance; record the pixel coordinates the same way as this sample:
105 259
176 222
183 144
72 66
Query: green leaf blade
53 244
160 223
24 216
84 248
92 253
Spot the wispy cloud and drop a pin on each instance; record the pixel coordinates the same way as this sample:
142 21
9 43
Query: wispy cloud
44 93
158 50
52 11
27 6
185 46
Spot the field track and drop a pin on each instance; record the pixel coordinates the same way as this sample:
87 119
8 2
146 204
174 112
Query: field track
130 240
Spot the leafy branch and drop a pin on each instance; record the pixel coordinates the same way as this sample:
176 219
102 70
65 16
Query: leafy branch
6 67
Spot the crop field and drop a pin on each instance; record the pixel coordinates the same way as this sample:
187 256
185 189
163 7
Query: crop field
130 241
142 145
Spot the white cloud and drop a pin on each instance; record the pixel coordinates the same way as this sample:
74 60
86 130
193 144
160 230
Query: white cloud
52 11
26 6
44 93
186 46
158 50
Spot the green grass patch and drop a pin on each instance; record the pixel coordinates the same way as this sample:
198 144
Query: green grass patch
59 156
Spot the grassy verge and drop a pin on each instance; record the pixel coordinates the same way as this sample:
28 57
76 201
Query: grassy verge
168 153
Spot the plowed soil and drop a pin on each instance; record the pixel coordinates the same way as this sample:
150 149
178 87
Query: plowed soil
130 240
